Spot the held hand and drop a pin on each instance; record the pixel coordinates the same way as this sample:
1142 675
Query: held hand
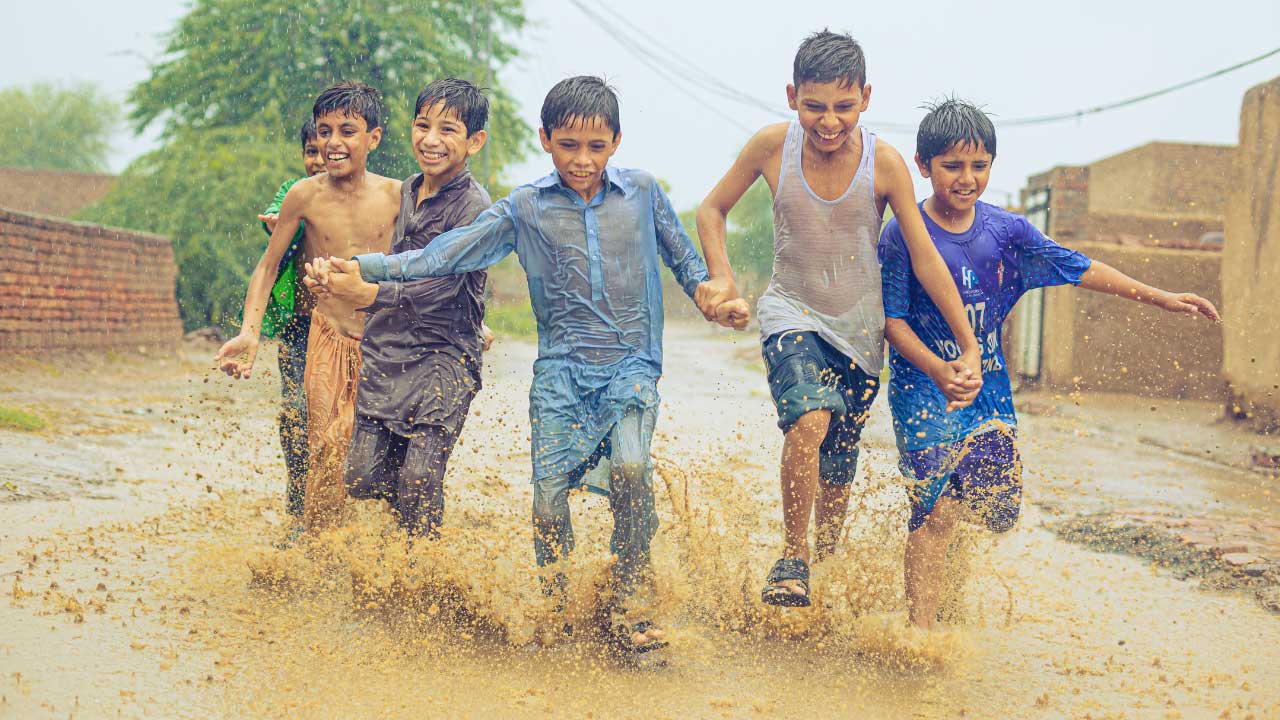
1189 304
488 336
317 278
711 294
270 221
957 383
343 281
236 356
733 313
972 361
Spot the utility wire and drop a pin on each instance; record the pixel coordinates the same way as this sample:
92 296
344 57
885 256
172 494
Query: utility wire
1041 119
681 67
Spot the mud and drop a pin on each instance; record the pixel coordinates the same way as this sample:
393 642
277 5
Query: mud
161 595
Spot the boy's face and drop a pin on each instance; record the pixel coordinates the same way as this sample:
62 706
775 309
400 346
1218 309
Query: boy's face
580 152
828 111
312 158
959 175
440 141
345 142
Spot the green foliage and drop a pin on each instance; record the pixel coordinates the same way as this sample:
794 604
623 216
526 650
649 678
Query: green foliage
262 63
511 318
203 191
47 127
750 236
15 419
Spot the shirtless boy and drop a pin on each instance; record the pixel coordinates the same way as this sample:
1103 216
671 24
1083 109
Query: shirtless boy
821 318
346 211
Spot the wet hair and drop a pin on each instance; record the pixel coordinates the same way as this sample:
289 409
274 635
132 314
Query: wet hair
460 97
353 99
953 121
308 132
826 57
577 99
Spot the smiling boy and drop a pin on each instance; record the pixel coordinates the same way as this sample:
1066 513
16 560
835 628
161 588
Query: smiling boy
423 339
344 211
965 464
821 318
590 238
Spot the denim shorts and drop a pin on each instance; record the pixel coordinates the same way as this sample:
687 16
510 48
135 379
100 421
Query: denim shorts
805 374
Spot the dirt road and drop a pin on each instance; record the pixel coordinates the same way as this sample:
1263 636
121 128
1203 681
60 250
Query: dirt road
140 581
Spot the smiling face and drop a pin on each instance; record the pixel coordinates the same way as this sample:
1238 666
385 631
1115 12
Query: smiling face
959 175
345 142
580 151
828 112
440 142
312 158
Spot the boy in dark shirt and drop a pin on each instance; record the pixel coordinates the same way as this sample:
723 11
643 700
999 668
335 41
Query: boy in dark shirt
423 339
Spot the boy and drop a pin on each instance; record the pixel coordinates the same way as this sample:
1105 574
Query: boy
590 239
965 463
288 316
821 319
423 339
346 210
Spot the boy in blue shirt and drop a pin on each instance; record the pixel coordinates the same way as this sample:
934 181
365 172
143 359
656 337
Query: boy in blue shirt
964 464
590 239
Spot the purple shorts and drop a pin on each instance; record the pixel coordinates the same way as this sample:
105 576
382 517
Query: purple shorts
982 471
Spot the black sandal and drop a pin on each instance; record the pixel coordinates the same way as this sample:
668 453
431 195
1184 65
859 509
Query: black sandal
620 638
783 595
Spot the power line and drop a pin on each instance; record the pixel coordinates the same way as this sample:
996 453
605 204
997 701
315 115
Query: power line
1041 119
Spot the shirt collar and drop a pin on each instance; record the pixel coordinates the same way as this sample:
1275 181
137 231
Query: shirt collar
612 178
415 183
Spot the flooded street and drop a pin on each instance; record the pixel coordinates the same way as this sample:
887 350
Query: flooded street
140 579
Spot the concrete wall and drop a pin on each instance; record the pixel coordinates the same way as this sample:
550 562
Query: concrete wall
1251 260
51 192
1164 178
1100 342
74 286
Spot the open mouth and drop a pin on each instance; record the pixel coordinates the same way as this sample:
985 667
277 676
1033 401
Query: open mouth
433 157
580 174
337 157
829 137
965 194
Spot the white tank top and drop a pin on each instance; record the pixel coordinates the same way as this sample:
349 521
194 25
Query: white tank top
826 274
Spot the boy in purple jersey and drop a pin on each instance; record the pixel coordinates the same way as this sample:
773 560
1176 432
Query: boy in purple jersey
964 464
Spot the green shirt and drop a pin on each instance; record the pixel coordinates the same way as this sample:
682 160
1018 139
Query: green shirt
280 306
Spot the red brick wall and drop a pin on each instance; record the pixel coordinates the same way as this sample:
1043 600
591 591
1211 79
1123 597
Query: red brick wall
74 286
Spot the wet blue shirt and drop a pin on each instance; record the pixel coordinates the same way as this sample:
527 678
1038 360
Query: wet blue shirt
999 258
596 288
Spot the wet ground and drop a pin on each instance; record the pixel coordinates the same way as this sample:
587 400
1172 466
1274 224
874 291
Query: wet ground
139 577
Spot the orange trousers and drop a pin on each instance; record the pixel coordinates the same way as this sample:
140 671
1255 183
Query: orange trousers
330 380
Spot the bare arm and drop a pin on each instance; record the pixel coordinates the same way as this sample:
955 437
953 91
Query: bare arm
1101 277
926 263
713 216
959 387
237 355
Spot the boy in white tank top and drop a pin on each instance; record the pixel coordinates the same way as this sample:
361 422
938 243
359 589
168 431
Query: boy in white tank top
822 317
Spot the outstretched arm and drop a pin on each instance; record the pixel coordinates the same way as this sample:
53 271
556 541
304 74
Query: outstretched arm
237 355
926 263
1101 277
713 216
472 247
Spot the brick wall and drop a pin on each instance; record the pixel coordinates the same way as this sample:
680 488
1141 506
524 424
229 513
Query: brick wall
1164 178
74 286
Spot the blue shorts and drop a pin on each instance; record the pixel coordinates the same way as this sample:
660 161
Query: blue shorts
983 472
805 374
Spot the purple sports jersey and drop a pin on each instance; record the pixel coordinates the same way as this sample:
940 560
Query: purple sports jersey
999 258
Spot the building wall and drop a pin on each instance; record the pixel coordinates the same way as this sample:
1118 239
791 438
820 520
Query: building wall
74 286
1100 342
1164 178
51 192
1251 260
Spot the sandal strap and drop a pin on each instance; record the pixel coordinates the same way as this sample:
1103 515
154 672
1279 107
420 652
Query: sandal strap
789 569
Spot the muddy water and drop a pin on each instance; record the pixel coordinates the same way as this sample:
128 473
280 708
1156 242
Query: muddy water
161 595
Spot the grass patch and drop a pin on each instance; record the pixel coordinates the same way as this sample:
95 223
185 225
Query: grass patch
15 419
513 318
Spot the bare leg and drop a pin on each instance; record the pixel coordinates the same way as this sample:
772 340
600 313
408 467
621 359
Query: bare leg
828 514
926 562
800 484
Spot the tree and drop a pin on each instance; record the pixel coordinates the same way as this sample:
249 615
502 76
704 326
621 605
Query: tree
749 240
48 127
203 191
262 62
238 78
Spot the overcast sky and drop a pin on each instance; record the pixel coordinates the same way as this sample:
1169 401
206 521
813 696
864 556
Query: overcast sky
1017 58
